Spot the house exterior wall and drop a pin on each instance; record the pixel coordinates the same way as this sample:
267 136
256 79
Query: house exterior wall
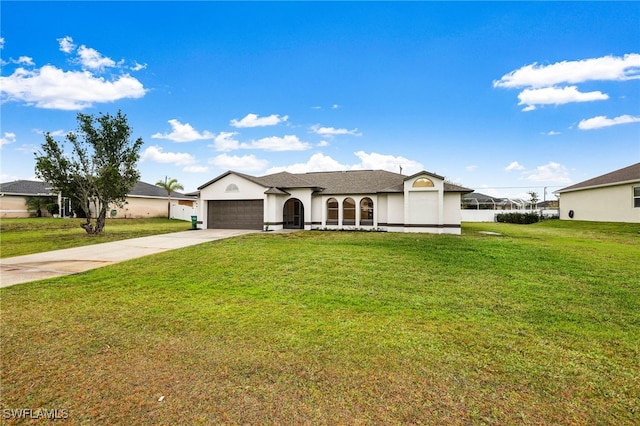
222 190
606 204
316 211
14 206
429 208
452 211
139 208
304 195
381 208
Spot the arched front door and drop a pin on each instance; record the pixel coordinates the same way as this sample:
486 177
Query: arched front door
293 214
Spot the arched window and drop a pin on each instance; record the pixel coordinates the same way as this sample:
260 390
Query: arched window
366 212
232 187
348 212
423 182
332 211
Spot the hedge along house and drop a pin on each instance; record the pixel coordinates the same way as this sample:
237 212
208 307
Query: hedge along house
360 199
612 197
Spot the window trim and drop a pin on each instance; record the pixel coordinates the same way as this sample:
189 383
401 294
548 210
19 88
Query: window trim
347 212
330 209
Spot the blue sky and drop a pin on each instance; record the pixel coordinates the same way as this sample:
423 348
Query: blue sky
500 97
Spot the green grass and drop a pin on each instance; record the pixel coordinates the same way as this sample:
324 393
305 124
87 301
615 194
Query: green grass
35 235
538 325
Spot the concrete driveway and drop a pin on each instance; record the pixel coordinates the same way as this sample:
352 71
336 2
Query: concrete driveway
32 267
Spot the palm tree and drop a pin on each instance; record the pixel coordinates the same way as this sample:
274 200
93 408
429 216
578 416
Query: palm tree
36 204
169 185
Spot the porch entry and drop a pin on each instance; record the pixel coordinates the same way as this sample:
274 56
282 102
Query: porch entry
293 214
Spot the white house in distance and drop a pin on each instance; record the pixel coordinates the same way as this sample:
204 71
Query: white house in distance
612 197
357 199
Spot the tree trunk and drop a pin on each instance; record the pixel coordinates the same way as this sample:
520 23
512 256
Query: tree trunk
100 221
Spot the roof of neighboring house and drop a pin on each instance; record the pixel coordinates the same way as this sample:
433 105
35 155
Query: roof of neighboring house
624 175
26 187
481 197
33 187
143 189
339 182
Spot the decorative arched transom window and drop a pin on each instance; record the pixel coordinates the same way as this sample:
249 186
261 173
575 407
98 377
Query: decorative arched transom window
348 211
332 211
423 182
366 212
232 187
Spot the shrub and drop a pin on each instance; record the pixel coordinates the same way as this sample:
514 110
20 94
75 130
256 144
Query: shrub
520 218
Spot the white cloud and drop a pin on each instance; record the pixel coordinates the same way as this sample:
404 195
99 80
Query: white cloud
225 142
331 131
155 154
138 67
605 68
8 137
252 120
92 59
66 44
183 133
550 172
551 133
514 166
52 88
24 60
248 163
335 106
471 168
602 121
1 42
557 96
368 161
196 169
317 163
322 144
276 143
28 149
375 161
55 133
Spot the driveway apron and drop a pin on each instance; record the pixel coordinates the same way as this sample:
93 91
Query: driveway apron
32 267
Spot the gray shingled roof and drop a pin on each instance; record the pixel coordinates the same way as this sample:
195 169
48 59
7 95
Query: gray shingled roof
626 174
26 187
143 189
32 187
340 182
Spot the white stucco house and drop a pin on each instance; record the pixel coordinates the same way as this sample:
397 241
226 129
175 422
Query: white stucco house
362 199
612 197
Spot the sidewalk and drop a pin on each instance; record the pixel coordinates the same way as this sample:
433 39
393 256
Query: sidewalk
32 267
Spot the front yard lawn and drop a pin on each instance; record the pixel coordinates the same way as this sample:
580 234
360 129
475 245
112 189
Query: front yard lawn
537 325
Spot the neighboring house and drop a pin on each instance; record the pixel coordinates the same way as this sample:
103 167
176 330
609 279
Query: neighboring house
13 197
367 199
144 200
612 197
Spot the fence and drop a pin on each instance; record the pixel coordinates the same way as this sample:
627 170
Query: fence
182 212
